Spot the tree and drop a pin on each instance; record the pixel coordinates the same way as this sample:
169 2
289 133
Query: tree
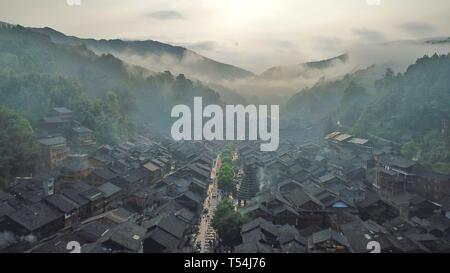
352 103
226 171
226 178
228 222
410 150
18 148
227 156
223 209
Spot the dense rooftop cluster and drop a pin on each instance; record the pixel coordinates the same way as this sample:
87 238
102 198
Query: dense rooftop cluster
148 195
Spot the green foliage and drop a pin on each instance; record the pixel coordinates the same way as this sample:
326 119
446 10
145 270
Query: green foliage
226 178
228 222
435 149
325 98
352 103
414 104
108 96
410 150
18 148
406 108
227 154
223 209
226 175
35 94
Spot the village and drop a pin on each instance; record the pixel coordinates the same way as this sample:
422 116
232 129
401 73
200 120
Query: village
151 194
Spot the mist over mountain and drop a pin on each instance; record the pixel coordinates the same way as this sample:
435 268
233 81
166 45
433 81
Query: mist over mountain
107 94
156 56
323 99
410 108
277 84
438 41
274 85
289 72
225 126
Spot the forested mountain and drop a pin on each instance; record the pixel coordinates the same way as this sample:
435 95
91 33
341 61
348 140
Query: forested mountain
18 147
414 106
289 72
156 56
115 98
107 95
330 98
410 108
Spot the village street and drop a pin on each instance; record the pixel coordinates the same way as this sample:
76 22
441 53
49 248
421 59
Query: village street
206 234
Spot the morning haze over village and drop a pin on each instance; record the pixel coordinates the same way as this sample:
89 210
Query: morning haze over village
237 127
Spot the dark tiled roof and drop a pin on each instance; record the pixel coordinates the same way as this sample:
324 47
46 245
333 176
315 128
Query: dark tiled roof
185 215
4 196
128 235
260 223
169 223
92 194
439 222
188 196
328 234
104 174
135 175
62 203
5 209
299 197
93 231
109 189
35 216
288 234
75 196
398 161
52 141
120 215
358 235
253 247
165 239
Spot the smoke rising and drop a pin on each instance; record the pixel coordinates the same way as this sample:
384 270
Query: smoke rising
7 239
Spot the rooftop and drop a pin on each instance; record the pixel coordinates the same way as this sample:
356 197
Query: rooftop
128 235
152 167
52 141
398 161
109 189
342 137
359 141
81 130
5 209
35 216
328 234
332 135
62 203
92 194
62 110
169 223
50 120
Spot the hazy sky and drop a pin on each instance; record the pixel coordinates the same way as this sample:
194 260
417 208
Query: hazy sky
253 34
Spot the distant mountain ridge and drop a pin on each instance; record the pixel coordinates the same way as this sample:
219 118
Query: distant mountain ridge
294 71
108 95
155 56
439 41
